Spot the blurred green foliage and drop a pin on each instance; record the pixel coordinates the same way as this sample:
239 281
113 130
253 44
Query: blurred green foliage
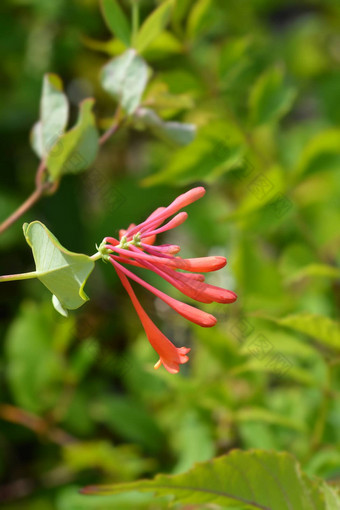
80 401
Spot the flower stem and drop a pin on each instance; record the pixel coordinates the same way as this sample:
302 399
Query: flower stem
31 200
96 256
22 276
117 122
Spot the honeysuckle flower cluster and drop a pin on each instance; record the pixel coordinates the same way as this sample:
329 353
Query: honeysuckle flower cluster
136 247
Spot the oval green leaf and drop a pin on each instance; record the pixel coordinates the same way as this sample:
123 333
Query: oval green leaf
77 149
54 112
116 20
153 25
125 79
174 132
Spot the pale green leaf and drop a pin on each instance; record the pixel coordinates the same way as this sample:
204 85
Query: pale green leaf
116 20
75 150
54 110
125 78
270 98
58 306
36 139
175 132
64 273
255 479
153 25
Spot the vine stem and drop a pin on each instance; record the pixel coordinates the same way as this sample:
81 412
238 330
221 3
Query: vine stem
42 187
29 202
96 256
22 276
117 122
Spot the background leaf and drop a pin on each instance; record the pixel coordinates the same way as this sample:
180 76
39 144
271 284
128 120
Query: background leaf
125 78
116 20
177 133
77 149
323 329
270 99
153 25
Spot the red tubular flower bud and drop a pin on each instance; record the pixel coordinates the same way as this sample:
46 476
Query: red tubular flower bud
137 249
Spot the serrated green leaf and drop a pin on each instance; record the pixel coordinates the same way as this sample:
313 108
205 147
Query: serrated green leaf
270 98
125 78
175 132
64 273
255 479
153 25
116 20
75 150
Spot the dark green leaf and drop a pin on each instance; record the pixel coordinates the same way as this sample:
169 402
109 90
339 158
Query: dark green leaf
270 98
153 25
116 20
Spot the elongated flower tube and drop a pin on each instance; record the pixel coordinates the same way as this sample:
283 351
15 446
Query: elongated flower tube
136 247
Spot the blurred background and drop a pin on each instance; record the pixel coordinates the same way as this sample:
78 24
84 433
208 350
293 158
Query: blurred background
80 401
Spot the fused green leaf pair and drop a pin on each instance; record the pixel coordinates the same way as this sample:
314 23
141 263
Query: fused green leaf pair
64 152
64 273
